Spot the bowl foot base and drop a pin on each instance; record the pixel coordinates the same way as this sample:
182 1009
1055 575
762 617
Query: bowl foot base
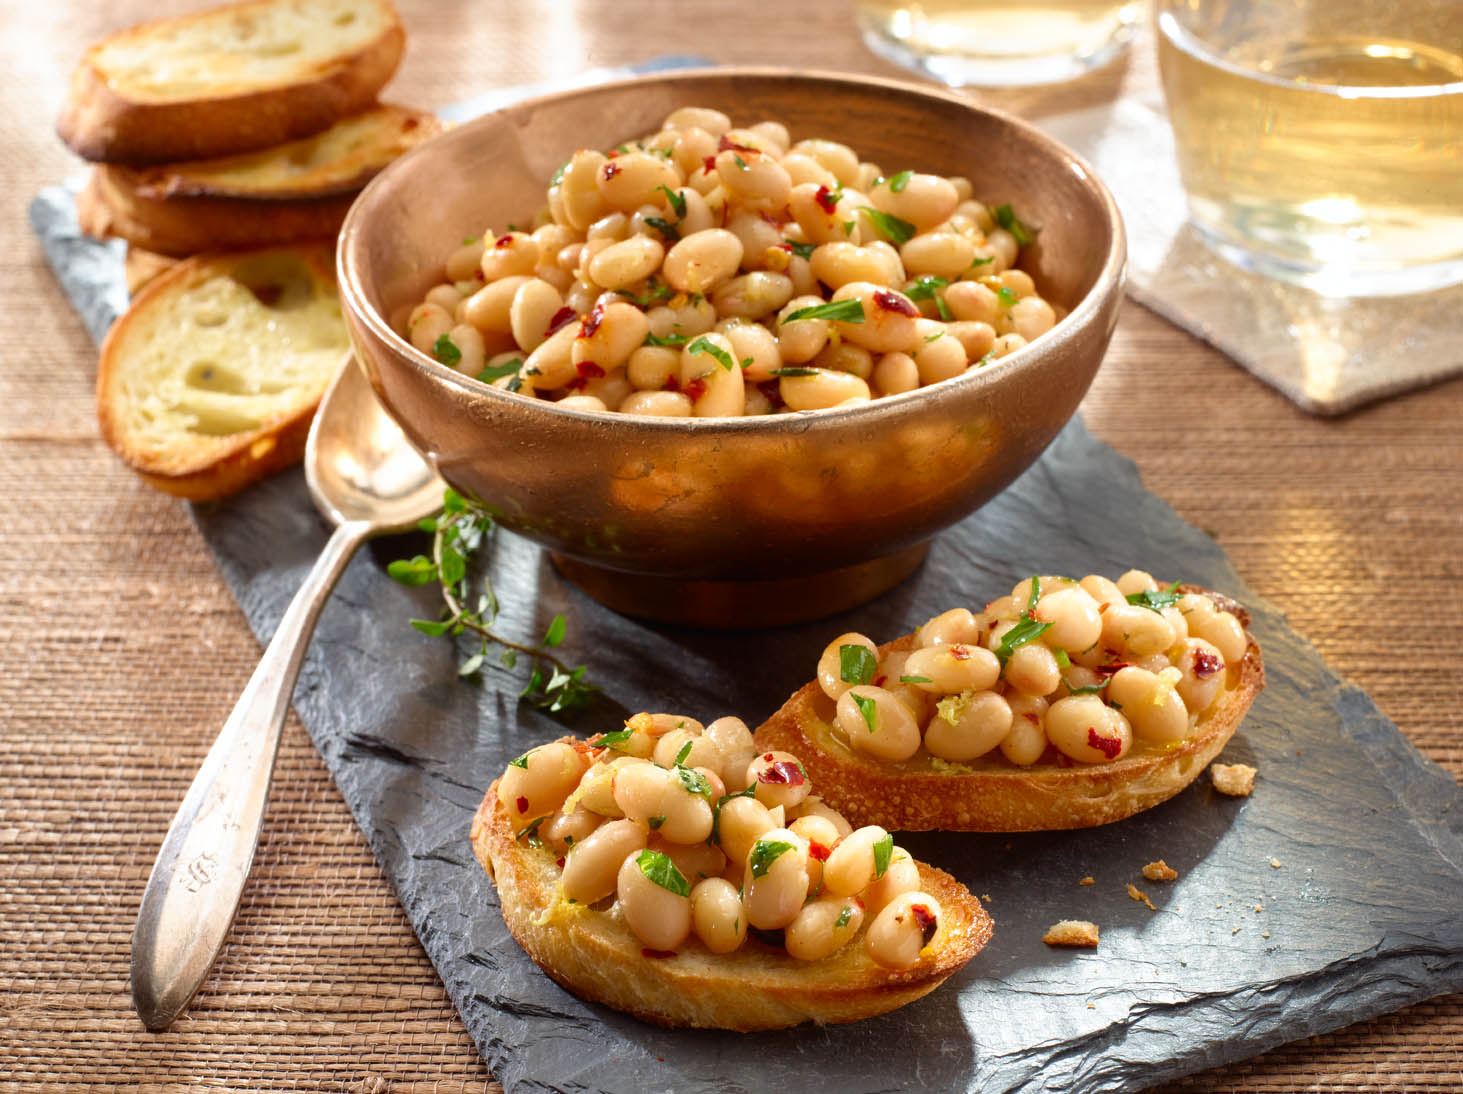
732 604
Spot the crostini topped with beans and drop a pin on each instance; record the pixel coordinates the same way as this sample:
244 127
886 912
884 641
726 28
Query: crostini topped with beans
691 837
709 270
1064 704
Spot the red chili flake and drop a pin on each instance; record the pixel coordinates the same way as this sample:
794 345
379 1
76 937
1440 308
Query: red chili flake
1032 717
769 756
578 383
589 370
709 163
671 384
504 240
824 198
559 862
648 952
561 317
819 851
782 773
695 389
612 153
610 171
785 247
725 145
1206 664
879 681
592 321
522 804
1108 746
1111 669
895 302
959 652
928 922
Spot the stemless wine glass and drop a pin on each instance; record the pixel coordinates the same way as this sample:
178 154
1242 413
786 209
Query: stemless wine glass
1321 141
999 43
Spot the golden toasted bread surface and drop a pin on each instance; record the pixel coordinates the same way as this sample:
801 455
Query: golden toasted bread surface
209 382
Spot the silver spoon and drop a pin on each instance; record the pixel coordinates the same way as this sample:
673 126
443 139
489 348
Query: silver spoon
365 477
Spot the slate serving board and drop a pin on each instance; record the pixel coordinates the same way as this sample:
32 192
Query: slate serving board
1362 916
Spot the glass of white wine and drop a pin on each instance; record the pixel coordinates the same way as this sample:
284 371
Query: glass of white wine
1321 141
999 43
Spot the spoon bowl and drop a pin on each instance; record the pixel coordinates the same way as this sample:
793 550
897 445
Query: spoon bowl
367 480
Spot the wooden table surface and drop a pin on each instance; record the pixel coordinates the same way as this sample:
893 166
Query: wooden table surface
124 651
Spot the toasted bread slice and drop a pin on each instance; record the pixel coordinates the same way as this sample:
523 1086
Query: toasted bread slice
595 955
340 160
230 79
990 794
140 267
209 382
184 226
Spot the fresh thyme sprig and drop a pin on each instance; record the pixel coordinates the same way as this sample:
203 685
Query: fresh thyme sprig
458 532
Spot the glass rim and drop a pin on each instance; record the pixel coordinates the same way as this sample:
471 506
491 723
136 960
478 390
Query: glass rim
1182 38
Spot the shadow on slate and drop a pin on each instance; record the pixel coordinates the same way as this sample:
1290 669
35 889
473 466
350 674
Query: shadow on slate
1362 917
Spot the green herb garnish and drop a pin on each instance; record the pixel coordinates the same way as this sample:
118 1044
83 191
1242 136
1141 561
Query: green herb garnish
673 340
459 533
764 853
531 831
843 311
520 761
882 850
796 370
446 351
802 250
1090 689
497 372
1006 218
1155 600
1034 596
891 227
1006 296
741 163
844 916
915 680
1063 660
694 782
924 288
678 201
1028 630
976 263
711 349
658 867
898 182
856 664
655 822
664 227
683 753
869 710
658 291
614 739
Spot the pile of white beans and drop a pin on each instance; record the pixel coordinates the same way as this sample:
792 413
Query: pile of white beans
687 831
1059 671
666 277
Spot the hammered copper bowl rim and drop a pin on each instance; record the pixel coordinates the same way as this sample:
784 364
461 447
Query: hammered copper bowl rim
1109 279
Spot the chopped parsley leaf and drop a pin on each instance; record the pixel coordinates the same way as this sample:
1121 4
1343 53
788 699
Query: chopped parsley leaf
869 710
1007 219
711 349
677 200
519 761
1028 630
844 917
658 867
446 351
856 664
915 680
796 370
676 340
891 227
882 851
899 181
764 853
802 250
843 311
1155 600
664 227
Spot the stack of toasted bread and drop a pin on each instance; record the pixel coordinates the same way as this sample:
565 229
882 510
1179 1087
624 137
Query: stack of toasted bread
229 145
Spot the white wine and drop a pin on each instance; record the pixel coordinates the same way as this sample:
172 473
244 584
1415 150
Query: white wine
993 43
1330 156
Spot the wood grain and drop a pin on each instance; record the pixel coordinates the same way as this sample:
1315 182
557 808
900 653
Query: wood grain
124 651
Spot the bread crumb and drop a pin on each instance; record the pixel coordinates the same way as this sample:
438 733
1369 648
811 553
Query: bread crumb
1234 932
1072 932
1275 864
1235 780
1140 896
1088 880
1259 907
1160 871
1264 934
1091 1006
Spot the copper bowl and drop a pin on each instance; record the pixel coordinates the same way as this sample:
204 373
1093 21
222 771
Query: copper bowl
735 521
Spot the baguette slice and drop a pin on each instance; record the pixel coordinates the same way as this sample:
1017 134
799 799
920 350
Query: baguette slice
990 794
140 267
184 226
209 382
229 79
594 955
340 160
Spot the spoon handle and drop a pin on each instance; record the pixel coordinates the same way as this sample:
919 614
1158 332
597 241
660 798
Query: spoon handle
199 876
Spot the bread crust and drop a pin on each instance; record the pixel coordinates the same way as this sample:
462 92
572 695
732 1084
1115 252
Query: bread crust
213 467
182 226
594 955
102 124
1003 797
